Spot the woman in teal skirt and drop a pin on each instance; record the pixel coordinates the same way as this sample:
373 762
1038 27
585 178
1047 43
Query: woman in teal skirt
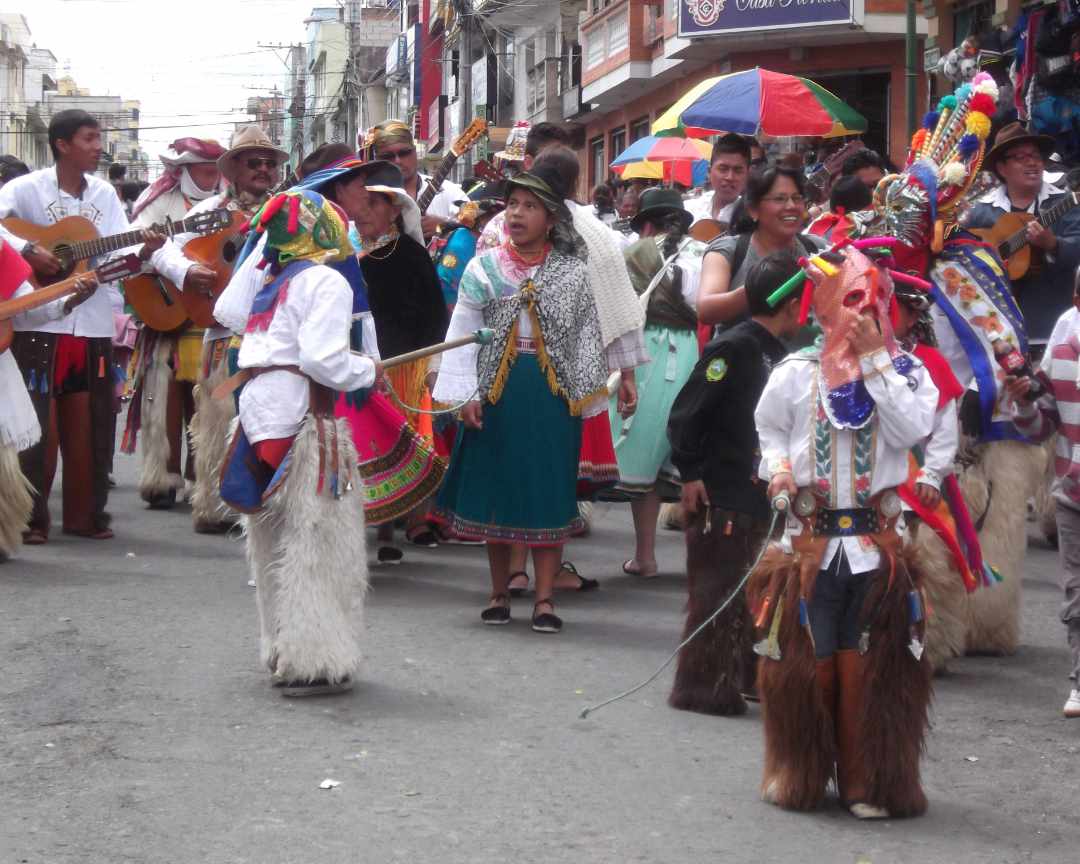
513 473
641 442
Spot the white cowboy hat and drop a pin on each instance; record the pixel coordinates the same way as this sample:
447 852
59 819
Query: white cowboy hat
244 140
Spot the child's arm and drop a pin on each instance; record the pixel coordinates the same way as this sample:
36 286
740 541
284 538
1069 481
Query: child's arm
458 374
940 448
775 417
1034 420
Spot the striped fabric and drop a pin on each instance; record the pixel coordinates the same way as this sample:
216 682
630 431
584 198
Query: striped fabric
1058 411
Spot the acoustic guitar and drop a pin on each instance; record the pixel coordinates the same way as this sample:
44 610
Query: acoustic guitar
108 272
1009 235
74 240
218 252
706 230
461 144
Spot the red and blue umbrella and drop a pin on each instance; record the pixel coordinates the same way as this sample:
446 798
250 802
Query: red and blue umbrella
757 101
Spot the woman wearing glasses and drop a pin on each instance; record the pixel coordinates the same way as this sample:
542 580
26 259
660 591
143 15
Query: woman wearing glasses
776 206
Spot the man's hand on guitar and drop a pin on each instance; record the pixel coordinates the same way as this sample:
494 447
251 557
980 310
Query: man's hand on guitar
430 224
87 286
200 279
152 241
1041 237
42 261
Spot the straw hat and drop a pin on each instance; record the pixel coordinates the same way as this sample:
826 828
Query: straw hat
244 141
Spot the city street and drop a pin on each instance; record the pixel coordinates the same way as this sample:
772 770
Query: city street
137 725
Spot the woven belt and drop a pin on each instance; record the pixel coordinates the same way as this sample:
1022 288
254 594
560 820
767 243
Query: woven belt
847 522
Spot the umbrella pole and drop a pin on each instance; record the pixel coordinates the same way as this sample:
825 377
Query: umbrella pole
911 72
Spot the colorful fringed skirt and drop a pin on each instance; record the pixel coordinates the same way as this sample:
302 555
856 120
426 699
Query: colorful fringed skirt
514 480
399 469
641 442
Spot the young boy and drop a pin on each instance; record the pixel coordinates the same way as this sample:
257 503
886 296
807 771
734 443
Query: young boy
1038 420
843 678
715 447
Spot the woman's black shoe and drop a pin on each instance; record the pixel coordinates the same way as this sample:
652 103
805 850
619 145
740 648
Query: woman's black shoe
390 555
499 612
546 622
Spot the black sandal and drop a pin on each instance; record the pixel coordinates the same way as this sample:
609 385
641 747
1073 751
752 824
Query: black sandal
497 614
583 583
546 622
518 592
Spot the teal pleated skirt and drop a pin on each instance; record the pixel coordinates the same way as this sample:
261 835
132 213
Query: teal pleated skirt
641 442
515 480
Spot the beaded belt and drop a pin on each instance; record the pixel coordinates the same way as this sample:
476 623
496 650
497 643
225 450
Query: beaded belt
846 522
525 346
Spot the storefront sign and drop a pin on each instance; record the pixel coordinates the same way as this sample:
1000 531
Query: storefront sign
436 115
711 17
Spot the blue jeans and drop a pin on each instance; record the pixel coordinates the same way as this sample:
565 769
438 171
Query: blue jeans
836 607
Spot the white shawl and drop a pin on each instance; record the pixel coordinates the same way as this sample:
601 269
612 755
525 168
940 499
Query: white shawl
616 301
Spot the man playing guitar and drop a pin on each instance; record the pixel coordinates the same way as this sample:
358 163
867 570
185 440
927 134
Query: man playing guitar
164 387
66 363
1018 159
252 165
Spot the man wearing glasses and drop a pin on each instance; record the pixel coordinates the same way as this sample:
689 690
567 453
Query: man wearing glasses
392 141
1018 159
252 167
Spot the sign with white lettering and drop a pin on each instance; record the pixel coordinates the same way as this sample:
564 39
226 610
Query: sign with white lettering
712 17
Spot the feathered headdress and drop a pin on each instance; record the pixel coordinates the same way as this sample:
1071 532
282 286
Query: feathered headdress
943 162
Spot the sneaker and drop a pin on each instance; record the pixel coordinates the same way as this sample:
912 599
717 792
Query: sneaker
1072 705
862 810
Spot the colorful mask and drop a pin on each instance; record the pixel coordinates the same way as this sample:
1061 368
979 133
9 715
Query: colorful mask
840 301
303 225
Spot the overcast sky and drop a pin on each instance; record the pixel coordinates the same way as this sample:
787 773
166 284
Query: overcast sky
188 62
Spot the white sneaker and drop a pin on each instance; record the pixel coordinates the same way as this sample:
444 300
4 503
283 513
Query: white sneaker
861 810
1072 705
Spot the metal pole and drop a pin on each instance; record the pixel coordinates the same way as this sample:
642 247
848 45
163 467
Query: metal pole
911 72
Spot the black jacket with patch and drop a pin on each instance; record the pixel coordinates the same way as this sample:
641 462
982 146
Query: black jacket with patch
711 426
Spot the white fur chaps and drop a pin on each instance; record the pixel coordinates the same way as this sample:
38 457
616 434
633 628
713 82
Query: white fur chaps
996 488
154 476
16 501
210 437
307 554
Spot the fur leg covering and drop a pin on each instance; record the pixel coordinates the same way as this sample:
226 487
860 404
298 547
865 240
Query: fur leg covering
310 560
16 501
800 741
209 431
715 666
946 613
154 476
672 517
896 691
997 488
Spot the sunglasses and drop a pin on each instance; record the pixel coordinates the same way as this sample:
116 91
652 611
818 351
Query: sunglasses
394 155
256 162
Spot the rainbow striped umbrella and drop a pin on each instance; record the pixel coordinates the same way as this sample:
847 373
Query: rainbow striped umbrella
758 101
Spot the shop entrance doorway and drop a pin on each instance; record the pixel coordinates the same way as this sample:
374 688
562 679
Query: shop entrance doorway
869 94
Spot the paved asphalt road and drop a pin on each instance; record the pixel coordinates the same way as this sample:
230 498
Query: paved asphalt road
137 726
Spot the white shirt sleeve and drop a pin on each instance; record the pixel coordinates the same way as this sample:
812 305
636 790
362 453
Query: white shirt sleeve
907 415
458 377
234 305
940 449
34 318
323 337
774 418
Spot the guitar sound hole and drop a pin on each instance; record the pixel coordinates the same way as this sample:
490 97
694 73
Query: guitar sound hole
67 260
231 249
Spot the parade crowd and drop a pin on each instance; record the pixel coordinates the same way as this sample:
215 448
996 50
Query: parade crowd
844 396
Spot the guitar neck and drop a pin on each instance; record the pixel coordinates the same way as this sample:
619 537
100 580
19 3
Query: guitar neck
1047 218
435 184
104 245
